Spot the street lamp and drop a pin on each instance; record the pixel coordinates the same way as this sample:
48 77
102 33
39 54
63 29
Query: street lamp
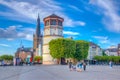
31 54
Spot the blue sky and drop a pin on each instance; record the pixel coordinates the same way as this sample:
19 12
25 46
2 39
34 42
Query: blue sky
92 20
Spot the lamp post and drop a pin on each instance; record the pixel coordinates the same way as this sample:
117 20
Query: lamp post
32 51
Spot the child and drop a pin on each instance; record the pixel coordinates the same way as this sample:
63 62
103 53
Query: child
79 66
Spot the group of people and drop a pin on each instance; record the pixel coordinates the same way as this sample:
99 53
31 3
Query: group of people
2 63
78 67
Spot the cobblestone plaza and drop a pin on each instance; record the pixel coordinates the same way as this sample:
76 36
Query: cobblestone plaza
58 72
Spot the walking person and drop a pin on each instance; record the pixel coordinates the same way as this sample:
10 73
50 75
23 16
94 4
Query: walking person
110 64
3 63
79 66
70 65
74 67
84 66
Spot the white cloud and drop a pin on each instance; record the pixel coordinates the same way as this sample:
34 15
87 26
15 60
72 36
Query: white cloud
10 39
71 33
75 8
28 11
13 32
29 37
71 23
10 31
5 45
101 39
111 17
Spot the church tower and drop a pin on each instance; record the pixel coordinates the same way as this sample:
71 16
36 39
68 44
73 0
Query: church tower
37 39
53 29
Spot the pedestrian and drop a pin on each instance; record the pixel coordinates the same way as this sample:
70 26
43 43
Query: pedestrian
31 59
110 64
79 66
67 61
74 67
70 65
84 66
3 63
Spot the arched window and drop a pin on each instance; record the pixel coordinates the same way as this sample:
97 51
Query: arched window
53 22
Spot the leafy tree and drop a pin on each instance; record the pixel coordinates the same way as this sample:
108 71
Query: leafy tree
0 58
6 57
103 53
97 57
108 58
69 48
56 47
81 50
62 48
37 58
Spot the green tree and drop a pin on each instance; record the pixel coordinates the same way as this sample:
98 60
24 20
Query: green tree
62 48
37 58
81 50
115 59
57 48
69 48
96 57
0 58
103 53
6 57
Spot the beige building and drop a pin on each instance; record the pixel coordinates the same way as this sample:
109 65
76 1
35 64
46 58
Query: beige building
53 29
112 51
118 49
94 50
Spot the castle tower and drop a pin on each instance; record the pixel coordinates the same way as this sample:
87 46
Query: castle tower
37 39
53 29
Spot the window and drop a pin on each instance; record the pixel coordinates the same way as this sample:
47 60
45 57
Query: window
53 22
47 23
59 23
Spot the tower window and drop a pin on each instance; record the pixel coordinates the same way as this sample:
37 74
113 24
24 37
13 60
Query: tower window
47 23
59 23
53 22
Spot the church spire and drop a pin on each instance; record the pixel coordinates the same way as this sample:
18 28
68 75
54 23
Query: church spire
38 32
